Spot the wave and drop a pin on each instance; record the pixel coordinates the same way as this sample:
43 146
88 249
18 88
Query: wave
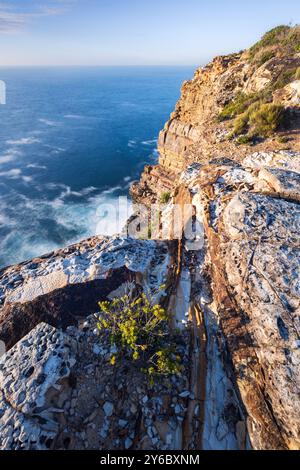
6 221
55 149
37 226
9 156
73 116
23 141
67 191
149 142
50 123
12 174
27 179
112 190
16 174
36 166
132 143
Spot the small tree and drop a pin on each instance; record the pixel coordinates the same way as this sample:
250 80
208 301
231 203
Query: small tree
139 330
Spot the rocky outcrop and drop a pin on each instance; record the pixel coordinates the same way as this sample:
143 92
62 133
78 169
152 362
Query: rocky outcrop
194 132
289 95
35 378
251 221
63 287
238 292
201 100
58 392
231 288
155 182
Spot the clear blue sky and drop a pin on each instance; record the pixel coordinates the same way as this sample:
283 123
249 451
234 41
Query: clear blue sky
134 32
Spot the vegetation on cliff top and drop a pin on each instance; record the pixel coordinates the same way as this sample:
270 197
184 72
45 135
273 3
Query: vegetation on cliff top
279 41
259 120
255 114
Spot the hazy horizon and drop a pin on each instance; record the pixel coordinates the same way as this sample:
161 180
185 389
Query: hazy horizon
65 33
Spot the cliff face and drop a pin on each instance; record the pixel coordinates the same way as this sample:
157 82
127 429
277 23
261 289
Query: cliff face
246 195
201 99
195 132
236 283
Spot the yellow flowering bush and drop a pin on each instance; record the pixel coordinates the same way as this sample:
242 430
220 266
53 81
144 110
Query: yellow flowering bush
139 330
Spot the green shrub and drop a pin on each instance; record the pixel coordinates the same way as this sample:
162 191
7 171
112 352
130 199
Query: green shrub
266 120
165 197
271 38
255 114
244 140
264 57
282 139
285 39
274 35
241 123
237 106
293 39
139 330
261 119
242 103
284 78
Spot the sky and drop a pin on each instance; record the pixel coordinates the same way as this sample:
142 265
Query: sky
134 32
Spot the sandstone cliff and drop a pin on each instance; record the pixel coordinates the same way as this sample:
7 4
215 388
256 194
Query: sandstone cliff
194 132
237 291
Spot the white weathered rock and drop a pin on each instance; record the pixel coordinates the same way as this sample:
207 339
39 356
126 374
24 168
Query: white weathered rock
94 262
32 375
284 159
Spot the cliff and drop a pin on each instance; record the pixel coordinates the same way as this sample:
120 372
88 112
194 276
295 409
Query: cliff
232 288
202 125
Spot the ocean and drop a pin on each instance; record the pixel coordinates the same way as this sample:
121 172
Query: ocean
72 140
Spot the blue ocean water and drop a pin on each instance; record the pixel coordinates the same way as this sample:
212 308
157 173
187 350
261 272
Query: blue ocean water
72 139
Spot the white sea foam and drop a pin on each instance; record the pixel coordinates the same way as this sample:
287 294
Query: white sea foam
73 116
7 158
12 174
67 192
50 123
68 220
36 166
10 155
55 149
16 173
23 141
6 221
149 142
27 179
132 143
